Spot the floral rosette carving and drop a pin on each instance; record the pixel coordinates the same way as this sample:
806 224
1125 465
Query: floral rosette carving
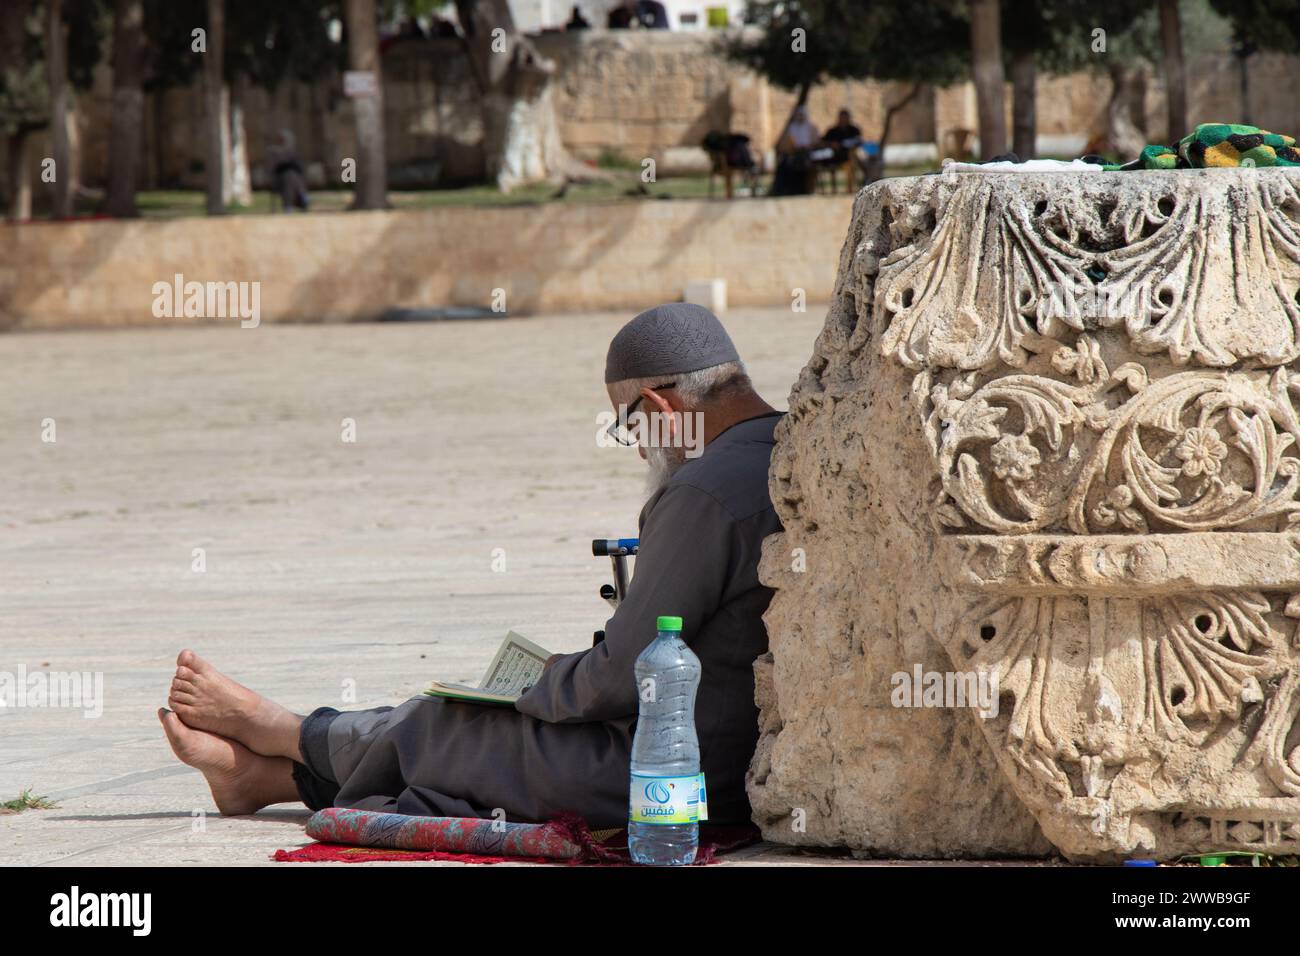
1113 452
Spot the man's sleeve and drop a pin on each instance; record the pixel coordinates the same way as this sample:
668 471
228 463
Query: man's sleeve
682 567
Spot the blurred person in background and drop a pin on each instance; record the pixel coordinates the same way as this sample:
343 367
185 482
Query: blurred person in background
288 179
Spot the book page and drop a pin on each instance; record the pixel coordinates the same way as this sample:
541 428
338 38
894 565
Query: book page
466 693
517 666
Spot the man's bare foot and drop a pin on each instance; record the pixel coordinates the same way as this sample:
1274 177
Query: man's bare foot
206 699
241 781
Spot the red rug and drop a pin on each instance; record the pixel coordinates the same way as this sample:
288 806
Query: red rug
363 836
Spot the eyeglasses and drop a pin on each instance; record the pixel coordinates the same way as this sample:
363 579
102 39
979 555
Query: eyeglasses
619 430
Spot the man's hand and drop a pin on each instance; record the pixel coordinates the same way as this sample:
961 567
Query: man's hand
549 661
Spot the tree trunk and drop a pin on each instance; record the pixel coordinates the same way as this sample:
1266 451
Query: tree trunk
125 134
986 57
800 100
241 178
20 179
216 110
1171 39
1024 104
1243 85
875 165
25 112
158 160
321 103
363 56
521 137
521 134
1126 113
56 66
74 149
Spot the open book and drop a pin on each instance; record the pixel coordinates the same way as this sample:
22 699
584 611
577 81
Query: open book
517 667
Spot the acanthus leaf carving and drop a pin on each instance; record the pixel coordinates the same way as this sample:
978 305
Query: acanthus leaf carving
1006 262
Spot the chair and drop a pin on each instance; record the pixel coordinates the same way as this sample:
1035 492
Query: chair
724 150
957 144
848 165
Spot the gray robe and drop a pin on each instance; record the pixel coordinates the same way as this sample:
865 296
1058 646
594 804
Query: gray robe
567 744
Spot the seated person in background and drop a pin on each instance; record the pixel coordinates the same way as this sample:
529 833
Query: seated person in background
577 21
793 166
566 744
442 27
843 136
840 147
801 133
288 179
647 14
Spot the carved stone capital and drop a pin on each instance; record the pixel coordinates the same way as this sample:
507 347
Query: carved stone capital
1051 427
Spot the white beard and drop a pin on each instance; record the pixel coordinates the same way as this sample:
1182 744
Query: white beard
662 462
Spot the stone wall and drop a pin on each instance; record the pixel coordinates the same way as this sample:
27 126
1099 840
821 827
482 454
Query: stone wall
340 266
638 93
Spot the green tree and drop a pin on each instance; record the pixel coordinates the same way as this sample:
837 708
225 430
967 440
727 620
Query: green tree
262 44
1258 25
267 44
287 40
48 49
521 132
791 51
1267 24
24 98
1125 39
804 43
1054 38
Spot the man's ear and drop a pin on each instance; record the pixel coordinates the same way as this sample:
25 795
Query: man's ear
662 406
660 403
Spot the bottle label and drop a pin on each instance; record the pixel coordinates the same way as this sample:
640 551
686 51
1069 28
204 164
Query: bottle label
664 800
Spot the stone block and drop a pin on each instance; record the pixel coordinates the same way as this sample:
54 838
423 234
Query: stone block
710 293
1047 443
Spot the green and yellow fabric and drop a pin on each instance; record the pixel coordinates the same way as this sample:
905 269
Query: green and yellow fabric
1220 144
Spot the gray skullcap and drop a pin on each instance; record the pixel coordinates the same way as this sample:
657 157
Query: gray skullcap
668 340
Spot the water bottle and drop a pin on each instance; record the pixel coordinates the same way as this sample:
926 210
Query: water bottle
664 810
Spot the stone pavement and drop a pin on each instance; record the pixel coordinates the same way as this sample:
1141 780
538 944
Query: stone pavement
337 573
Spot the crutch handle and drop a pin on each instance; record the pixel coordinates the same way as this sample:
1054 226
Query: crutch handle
609 547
